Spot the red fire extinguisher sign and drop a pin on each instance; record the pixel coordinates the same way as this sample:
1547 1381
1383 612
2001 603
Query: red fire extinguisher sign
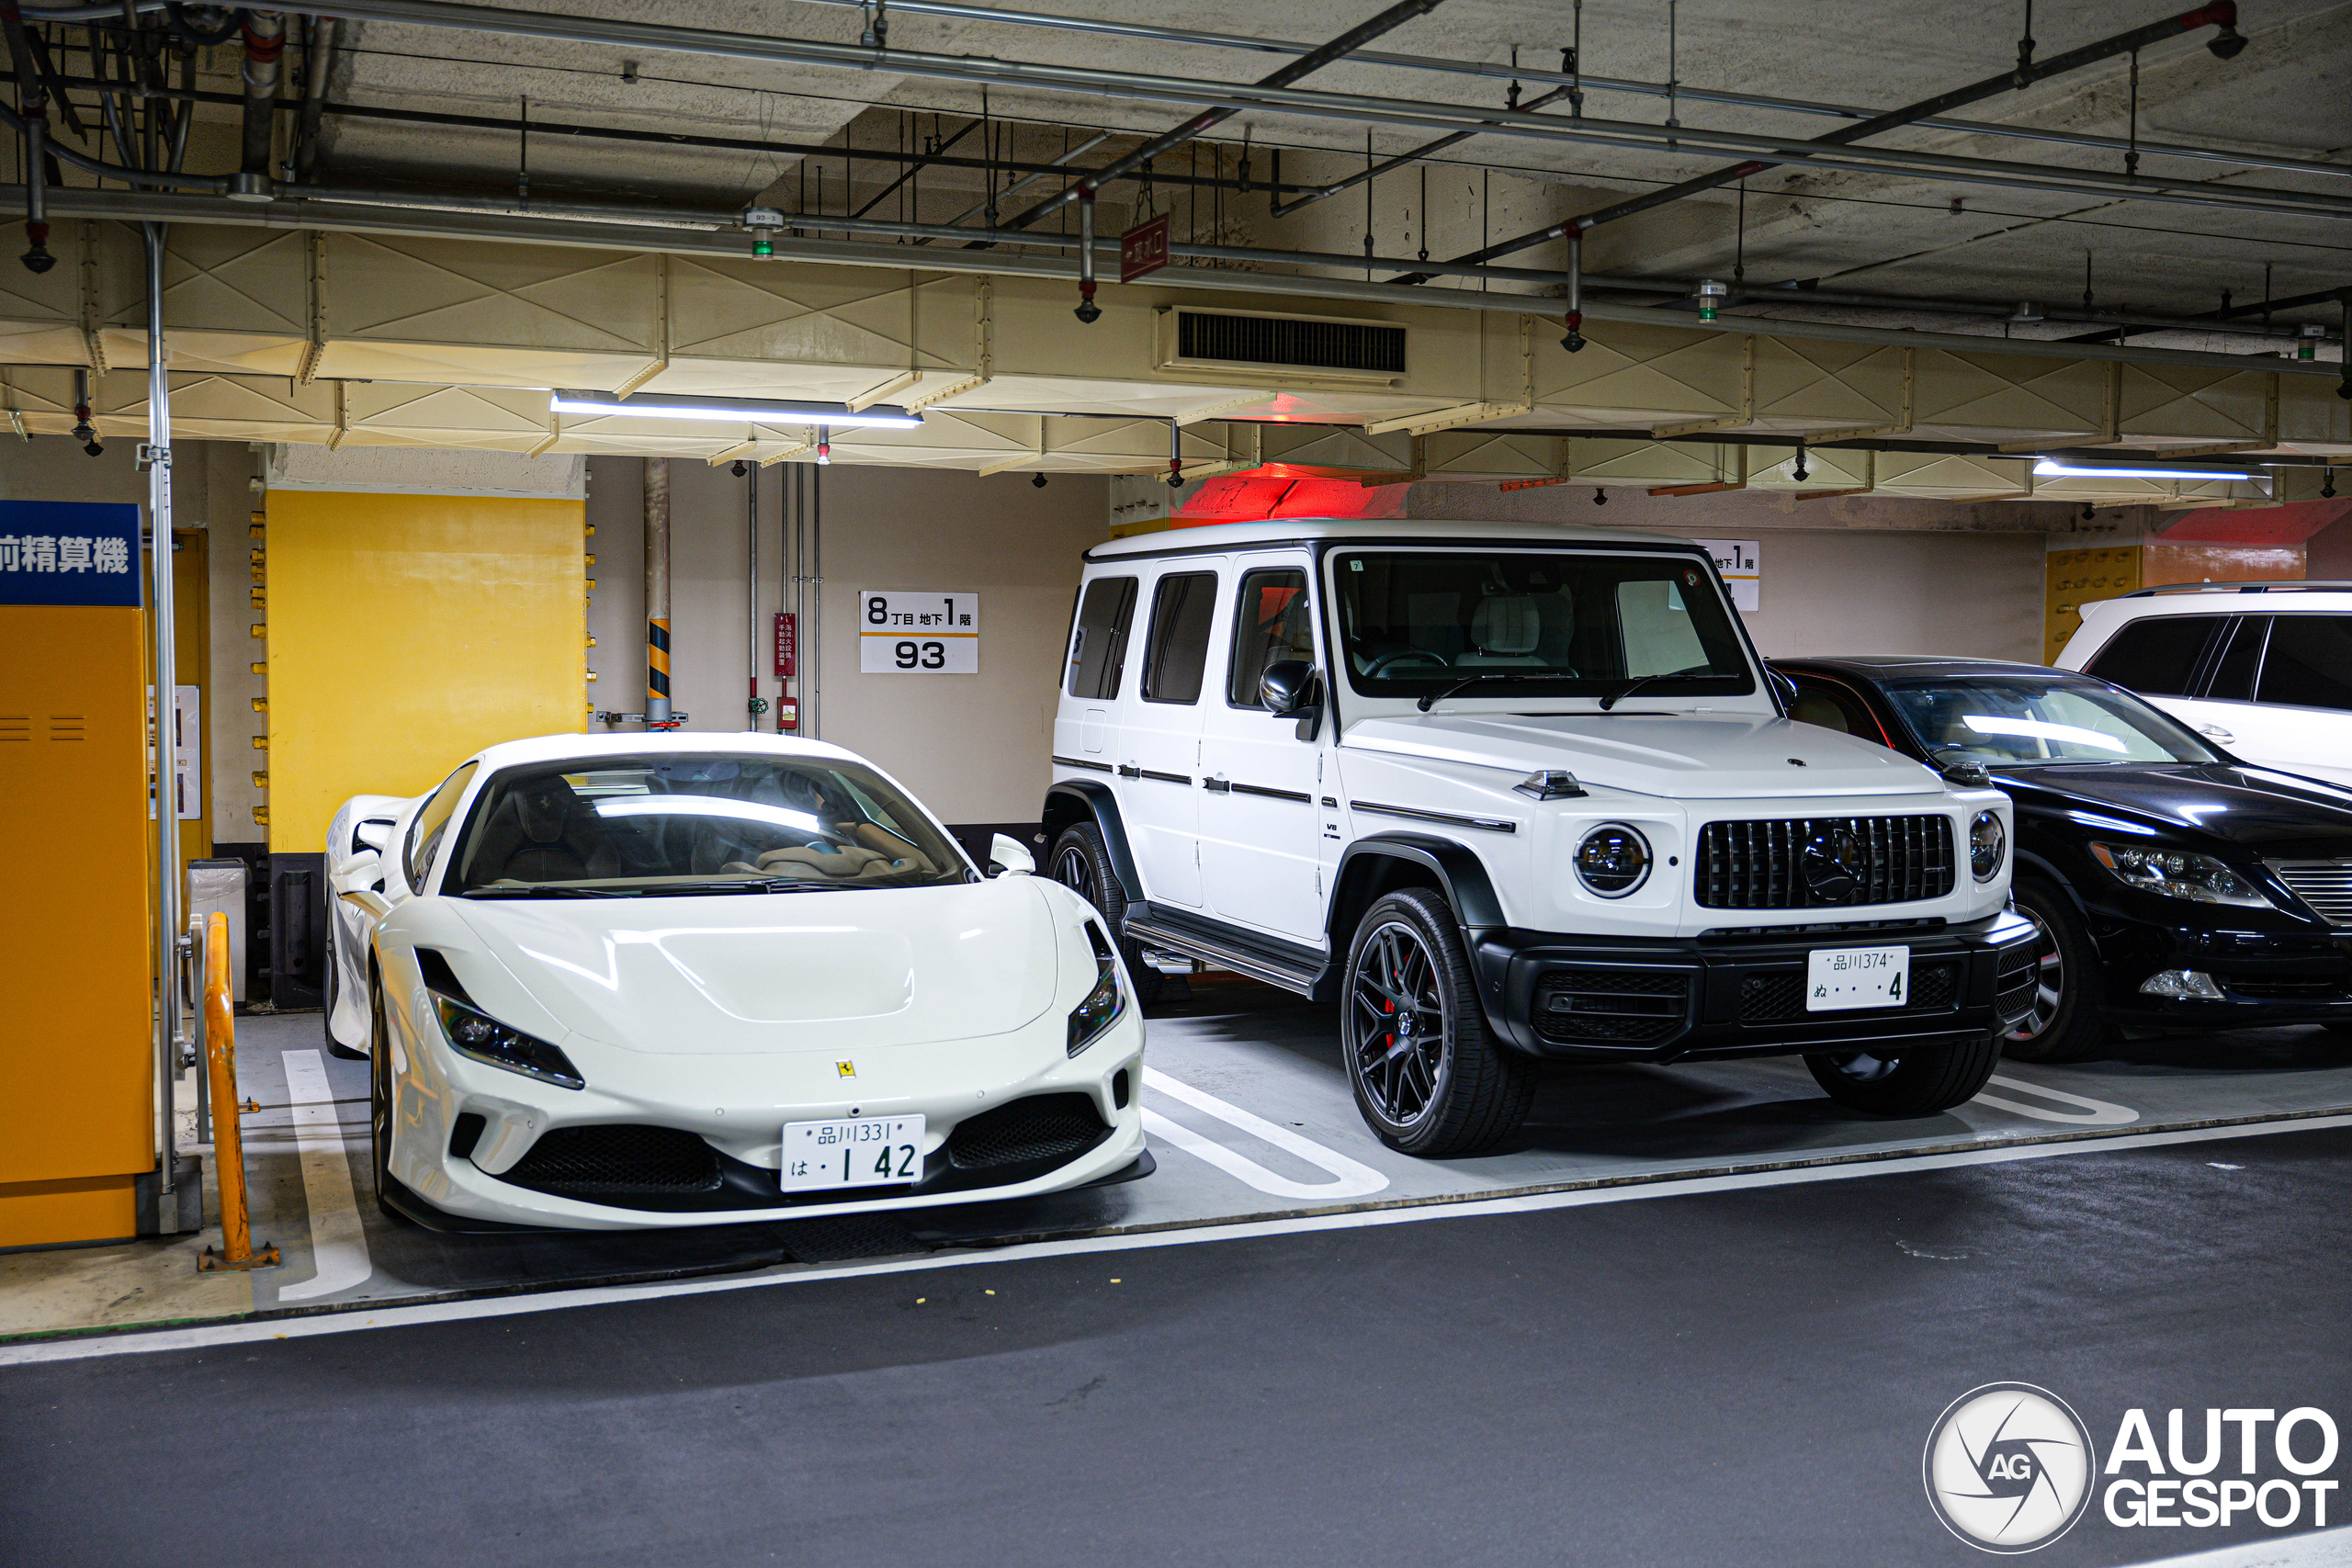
788 643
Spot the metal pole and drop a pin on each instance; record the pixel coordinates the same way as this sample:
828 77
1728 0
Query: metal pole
657 593
752 578
813 707
156 459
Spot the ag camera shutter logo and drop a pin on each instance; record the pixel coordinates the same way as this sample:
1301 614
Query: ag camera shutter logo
2008 1467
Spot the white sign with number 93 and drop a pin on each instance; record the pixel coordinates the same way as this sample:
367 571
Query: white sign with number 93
917 632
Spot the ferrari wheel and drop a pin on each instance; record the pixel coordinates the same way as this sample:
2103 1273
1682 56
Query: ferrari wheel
1429 1077
2065 1024
1080 862
1918 1083
380 1100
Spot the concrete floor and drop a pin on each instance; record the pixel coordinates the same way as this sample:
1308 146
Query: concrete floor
1706 1377
1250 1119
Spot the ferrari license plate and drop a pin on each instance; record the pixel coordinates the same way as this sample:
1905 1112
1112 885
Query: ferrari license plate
1839 978
873 1151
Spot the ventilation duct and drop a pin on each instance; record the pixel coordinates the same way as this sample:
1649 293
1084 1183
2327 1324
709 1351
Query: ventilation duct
1320 347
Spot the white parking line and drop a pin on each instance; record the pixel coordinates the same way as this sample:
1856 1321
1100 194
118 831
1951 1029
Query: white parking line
338 1245
1351 1179
251 1331
2093 1113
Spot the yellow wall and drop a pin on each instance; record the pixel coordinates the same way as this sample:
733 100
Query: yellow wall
407 631
77 1053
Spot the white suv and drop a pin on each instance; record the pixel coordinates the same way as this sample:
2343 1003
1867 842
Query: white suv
2263 668
1509 793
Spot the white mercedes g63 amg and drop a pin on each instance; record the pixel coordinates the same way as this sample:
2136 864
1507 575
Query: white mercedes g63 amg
1507 793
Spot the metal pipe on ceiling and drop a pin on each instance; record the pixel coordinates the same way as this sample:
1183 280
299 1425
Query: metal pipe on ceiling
1490 70
264 39
1313 60
289 214
1572 79
1358 108
318 64
2225 45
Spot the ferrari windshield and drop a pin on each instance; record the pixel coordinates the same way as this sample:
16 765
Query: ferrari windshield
1540 623
2002 721
680 823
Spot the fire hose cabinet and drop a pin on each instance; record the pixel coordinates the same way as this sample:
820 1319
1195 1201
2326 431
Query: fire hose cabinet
78 1122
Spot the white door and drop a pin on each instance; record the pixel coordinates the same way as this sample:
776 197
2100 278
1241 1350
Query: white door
1259 835
1158 739
2281 695
1084 727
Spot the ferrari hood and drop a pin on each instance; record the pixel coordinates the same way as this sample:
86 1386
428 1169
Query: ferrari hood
775 972
1684 756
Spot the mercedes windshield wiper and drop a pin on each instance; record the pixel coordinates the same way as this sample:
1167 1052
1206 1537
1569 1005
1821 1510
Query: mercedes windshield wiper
1630 687
1433 698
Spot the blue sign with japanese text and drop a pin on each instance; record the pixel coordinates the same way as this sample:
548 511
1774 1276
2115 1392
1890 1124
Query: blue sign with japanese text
69 552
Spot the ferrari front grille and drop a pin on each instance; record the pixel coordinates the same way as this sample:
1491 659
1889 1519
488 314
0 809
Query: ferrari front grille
1051 1129
618 1160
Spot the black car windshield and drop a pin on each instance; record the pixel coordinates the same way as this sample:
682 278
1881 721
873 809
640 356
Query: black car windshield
1540 623
2005 720
685 823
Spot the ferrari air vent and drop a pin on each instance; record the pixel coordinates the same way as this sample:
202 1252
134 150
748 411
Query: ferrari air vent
1292 342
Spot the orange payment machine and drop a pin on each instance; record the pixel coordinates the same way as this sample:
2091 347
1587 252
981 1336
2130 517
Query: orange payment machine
78 1114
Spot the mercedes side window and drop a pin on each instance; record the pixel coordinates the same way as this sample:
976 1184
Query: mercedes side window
1833 708
2157 657
2309 664
2241 661
431 821
1177 653
1270 624
1099 647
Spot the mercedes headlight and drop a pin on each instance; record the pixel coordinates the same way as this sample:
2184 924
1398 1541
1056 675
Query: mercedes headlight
1106 1003
1987 844
2178 874
472 1032
1612 859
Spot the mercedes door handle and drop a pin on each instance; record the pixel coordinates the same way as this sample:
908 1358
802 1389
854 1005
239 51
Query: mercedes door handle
2216 731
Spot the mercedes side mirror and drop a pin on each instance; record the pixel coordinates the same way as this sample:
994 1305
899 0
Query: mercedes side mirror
1008 856
1290 690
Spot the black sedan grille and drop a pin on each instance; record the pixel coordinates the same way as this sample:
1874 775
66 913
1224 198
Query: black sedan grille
1823 862
2324 885
1051 1129
616 1162
1622 1006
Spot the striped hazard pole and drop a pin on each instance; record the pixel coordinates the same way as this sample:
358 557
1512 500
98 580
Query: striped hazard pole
656 593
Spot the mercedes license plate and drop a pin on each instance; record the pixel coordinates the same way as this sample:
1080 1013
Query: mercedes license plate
873 1151
1839 978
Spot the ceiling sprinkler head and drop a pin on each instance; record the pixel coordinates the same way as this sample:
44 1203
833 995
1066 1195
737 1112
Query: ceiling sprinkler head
1039 480
2088 511
95 448
2227 44
1601 498
738 471
2327 482
1800 471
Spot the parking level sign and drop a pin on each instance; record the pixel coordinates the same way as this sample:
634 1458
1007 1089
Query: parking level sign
917 632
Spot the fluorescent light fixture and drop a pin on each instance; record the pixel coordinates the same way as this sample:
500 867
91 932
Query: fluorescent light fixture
734 411
2050 469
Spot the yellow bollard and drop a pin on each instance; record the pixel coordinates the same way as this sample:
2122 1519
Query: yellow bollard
228 1134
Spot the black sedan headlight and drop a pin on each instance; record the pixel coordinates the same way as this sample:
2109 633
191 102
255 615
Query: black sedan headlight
2179 874
473 1033
1612 859
1988 845
1106 1003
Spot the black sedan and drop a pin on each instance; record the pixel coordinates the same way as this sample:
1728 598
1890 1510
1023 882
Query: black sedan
2174 884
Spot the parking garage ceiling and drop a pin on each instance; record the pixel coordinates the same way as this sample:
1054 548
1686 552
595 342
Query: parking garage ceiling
2187 196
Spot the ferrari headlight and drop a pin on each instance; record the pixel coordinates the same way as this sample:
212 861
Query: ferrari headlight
1987 843
472 1032
2178 874
1106 1003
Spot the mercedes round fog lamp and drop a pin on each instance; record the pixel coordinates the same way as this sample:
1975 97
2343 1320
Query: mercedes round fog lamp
1612 859
2178 874
1105 1004
472 1032
1987 844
